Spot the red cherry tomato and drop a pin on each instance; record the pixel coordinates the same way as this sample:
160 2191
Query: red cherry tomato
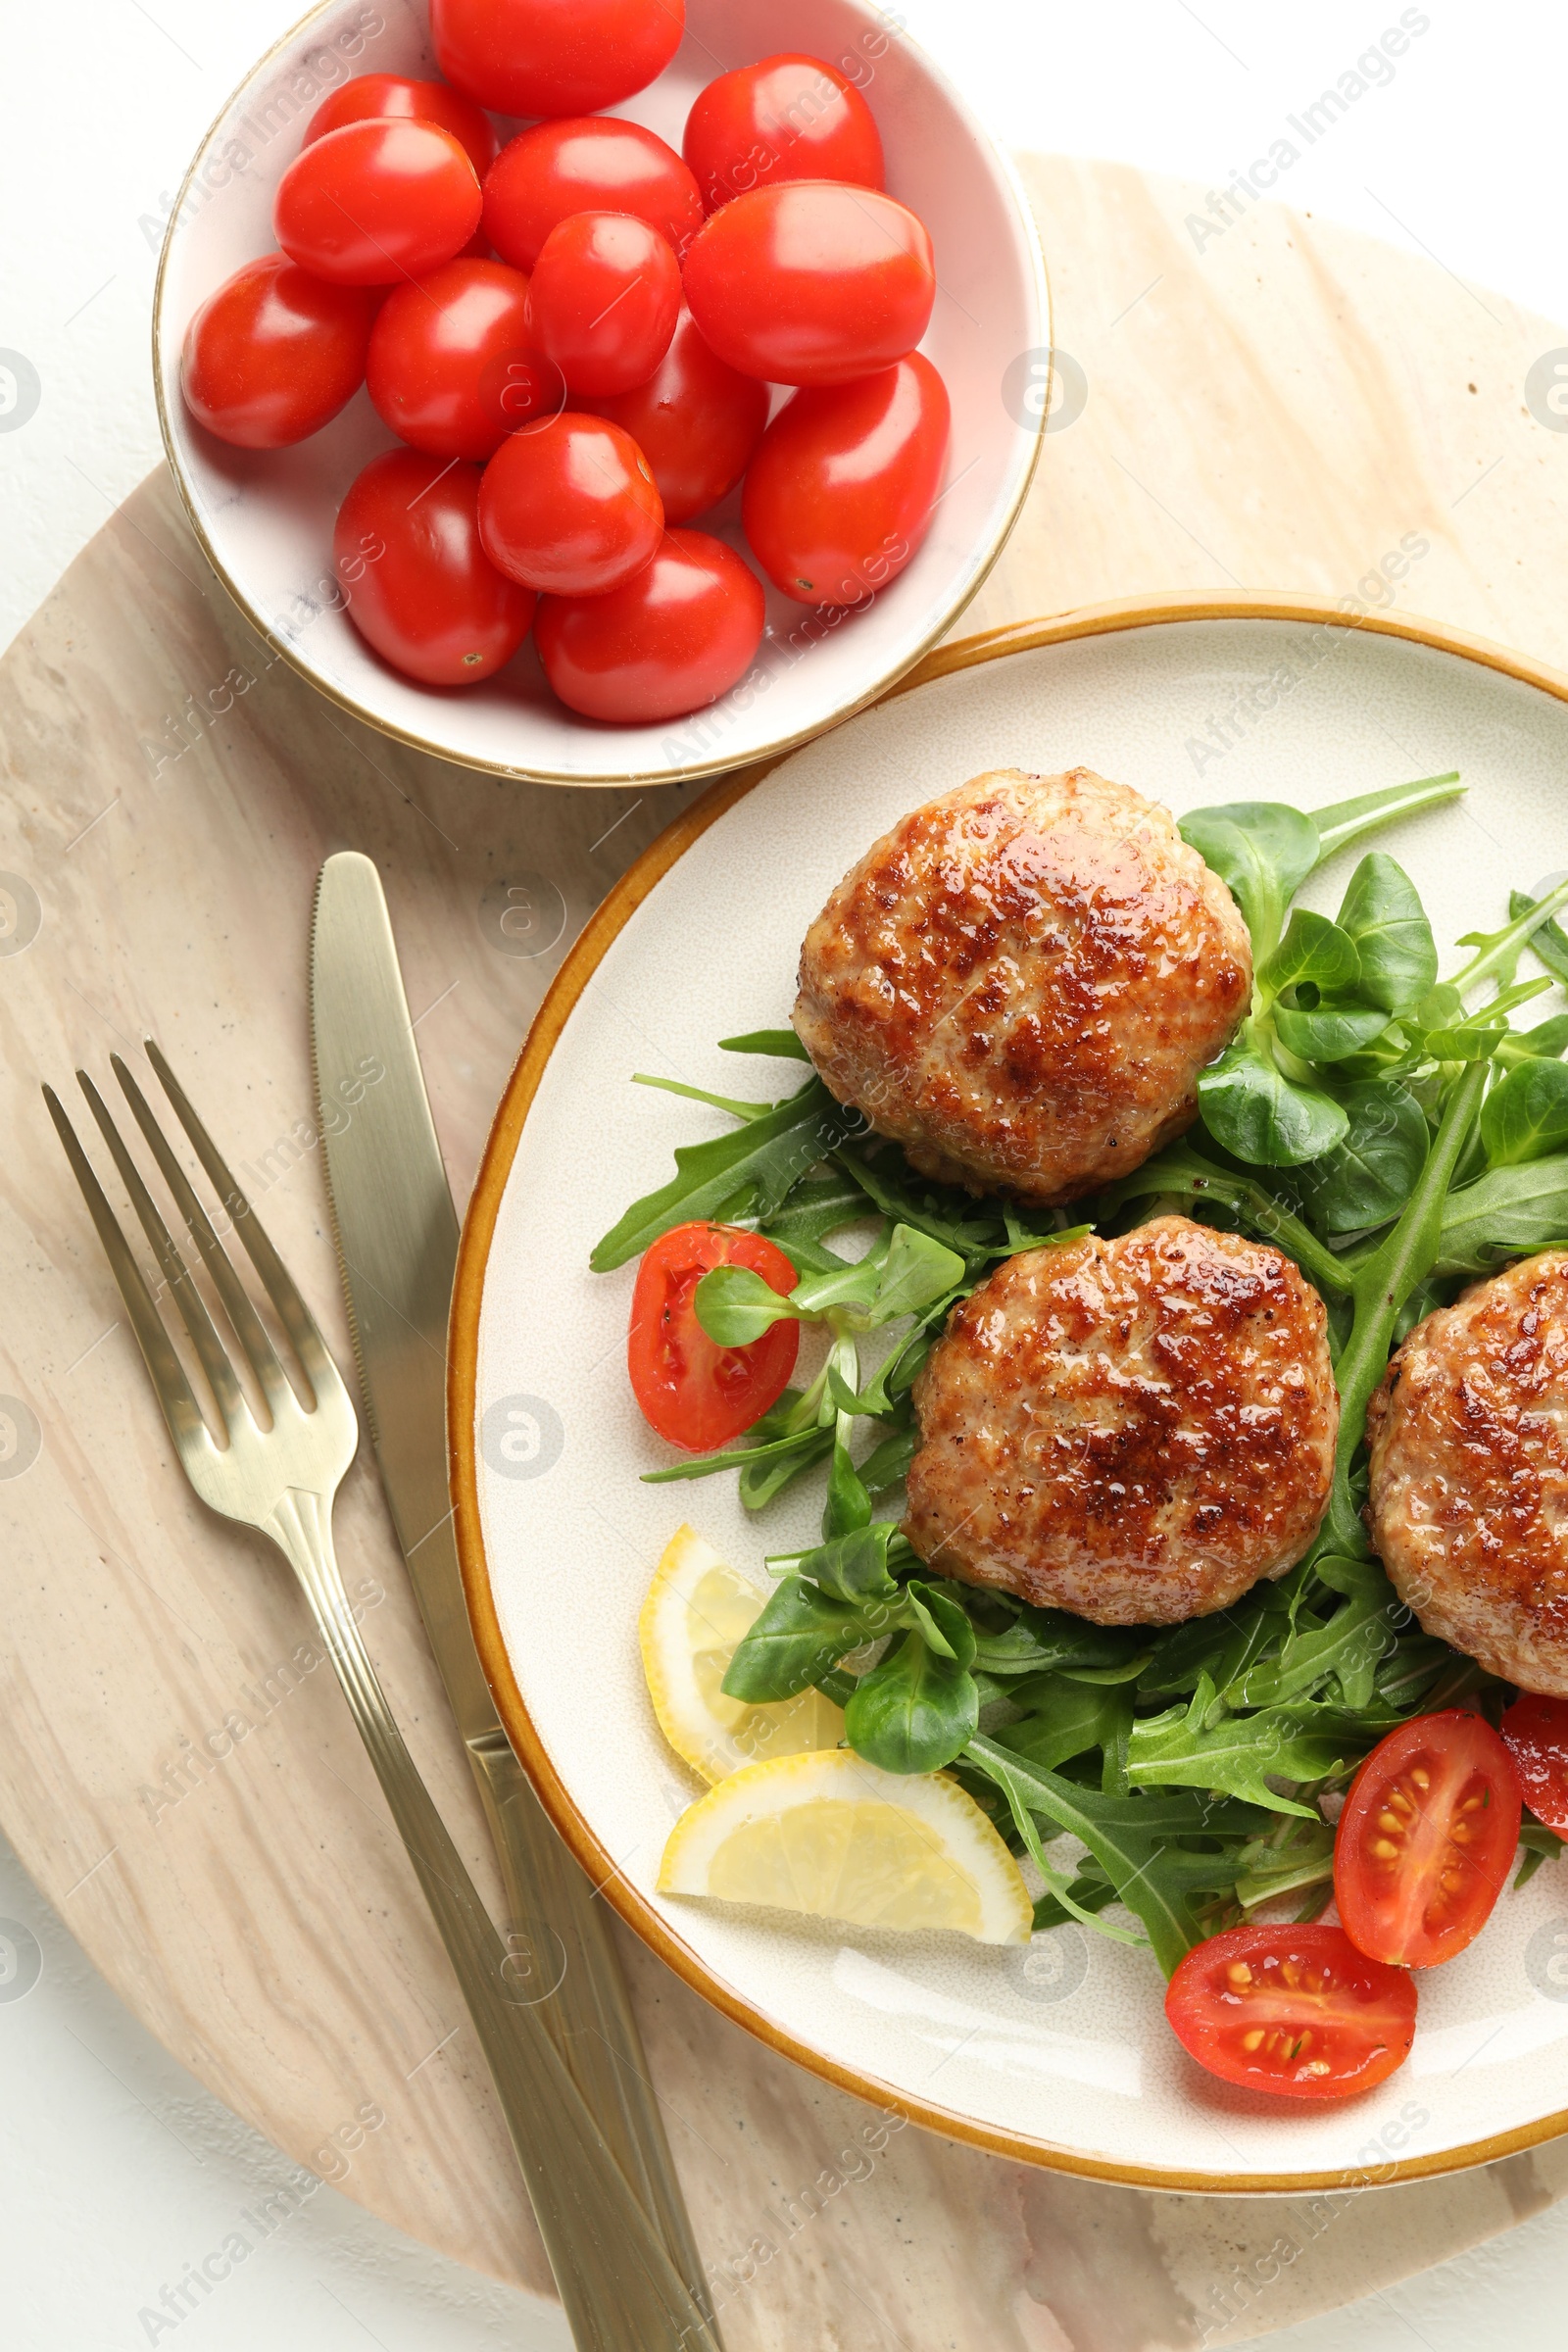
603 302
375 202
809 283
274 354
693 1391
789 118
1534 1732
841 493
674 638
421 588
695 420
452 369
1426 1840
1297 2011
393 97
590 164
570 506
555 56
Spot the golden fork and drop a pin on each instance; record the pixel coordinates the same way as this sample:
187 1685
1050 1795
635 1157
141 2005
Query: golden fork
618 2287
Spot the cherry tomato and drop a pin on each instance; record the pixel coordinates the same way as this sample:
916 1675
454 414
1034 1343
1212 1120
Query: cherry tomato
555 56
789 118
841 493
1534 1732
421 588
274 354
393 97
693 1391
590 164
452 367
1297 2011
569 504
674 638
695 420
1426 1840
375 202
809 283
603 301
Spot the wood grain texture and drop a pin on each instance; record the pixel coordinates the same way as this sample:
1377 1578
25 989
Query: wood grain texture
1278 410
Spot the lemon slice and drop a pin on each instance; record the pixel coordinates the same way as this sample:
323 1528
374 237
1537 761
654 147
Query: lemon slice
833 1836
697 1610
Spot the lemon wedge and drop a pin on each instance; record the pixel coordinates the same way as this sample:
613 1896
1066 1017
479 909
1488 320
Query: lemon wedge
697 1610
833 1836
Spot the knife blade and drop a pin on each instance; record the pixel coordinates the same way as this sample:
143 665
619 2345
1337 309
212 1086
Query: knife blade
396 1231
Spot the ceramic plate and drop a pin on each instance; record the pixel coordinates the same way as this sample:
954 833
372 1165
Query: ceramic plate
1059 2052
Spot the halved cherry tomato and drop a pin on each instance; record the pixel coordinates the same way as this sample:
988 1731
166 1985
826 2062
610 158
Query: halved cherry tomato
393 97
1426 1840
451 366
1296 2011
603 301
570 506
671 640
555 56
811 283
274 354
589 164
841 493
421 588
1534 1732
789 118
693 1391
376 202
696 421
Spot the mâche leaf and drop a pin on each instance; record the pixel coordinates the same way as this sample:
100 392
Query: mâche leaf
1525 1116
799 1634
914 1711
1368 1176
1264 852
1252 1109
1384 915
1509 1212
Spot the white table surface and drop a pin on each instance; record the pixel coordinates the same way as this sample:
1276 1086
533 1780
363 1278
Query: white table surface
118 2172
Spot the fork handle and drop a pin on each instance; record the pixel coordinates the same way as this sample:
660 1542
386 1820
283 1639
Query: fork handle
619 2287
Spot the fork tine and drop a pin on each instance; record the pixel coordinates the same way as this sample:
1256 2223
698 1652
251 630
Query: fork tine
173 1388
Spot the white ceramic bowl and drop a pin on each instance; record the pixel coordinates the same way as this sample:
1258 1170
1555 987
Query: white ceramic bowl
265 517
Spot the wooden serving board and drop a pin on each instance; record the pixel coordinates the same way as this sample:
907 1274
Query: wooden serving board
1283 411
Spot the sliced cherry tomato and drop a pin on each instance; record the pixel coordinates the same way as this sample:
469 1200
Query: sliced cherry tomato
696 421
555 56
419 586
810 284
841 493
693 1391
789 118
394 98
587 164
570 506
1297 2011
673 639
451 366
376 202
1426 1840
603 301
274 354
1534 1732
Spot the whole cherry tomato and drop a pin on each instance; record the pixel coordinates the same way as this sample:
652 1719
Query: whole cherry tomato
693 1391
603 301
376 202
570 506
1426 1840
695 420
590 164
840 495
419 586
555 56
789 118
1294 2010
811 283
452 367
674 638
1534 1732
274 354
393 97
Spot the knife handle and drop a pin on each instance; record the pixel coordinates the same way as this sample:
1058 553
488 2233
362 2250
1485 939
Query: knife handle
568 1947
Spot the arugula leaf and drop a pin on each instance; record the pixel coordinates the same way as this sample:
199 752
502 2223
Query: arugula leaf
1182 1170
1349 1648
1298 1853
1525 1116
782 1044
1064 1719
1547 940
765 1158
1252 1109
888 1465
1239 1754
914 1711
815 1206
1500 950
1222 1646
943 1212
700 1094
1384 915
799 1634
1542 1043
1509 1212
1370 1173
1040 1640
